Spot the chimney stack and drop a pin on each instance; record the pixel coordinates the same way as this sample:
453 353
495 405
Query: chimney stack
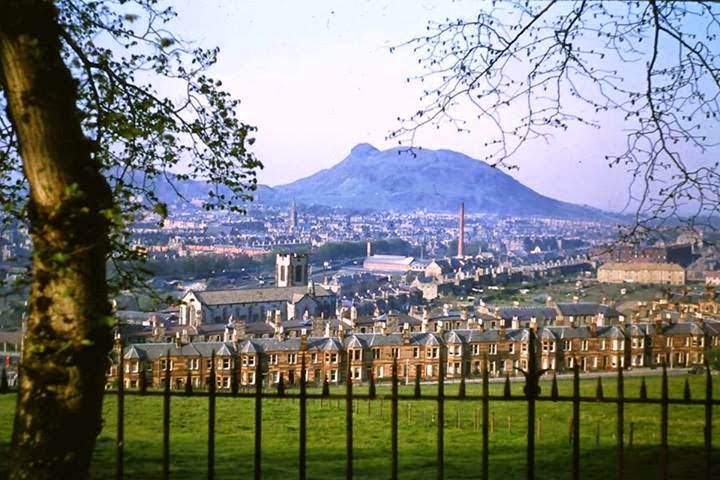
461 237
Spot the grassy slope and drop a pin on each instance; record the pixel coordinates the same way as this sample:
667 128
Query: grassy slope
326 441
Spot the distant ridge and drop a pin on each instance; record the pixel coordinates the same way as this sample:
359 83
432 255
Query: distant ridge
404 180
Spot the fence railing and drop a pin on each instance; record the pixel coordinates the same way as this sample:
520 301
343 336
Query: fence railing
531 395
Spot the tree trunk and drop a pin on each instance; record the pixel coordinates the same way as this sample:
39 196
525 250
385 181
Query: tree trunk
68 326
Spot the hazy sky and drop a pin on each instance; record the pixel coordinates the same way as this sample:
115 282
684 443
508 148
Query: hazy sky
316 78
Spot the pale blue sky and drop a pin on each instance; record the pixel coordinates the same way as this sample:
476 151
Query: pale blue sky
316 78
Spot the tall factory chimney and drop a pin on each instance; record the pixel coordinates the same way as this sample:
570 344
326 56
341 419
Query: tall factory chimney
461 237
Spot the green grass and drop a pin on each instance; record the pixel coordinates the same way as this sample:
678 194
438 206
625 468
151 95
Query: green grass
417 436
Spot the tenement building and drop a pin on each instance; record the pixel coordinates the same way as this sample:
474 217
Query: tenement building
329 357
649 273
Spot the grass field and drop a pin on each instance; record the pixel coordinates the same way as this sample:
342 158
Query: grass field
417 436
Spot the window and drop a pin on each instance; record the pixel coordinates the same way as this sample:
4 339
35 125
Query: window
251 360
194 364
357 373
273 359
164 365
476 349
314 358
276 377
333 375
524 347
584 345
225 364
333 358
669 342
511 348
356 354
602 345
376 353
493 349
434 352
292 358
226 382
567 345
251 378
395 353
380 372
416 352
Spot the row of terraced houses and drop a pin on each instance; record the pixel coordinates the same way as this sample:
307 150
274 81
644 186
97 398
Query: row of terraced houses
331 357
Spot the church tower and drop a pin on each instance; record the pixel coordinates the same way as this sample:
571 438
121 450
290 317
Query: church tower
291 269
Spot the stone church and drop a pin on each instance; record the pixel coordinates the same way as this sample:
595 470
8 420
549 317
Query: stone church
294 297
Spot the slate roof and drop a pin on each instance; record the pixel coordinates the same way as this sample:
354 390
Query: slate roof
256 295
586 309
527 313
152 351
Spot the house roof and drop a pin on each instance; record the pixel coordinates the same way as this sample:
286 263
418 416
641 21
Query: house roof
642 266
527 313
586 309
256 295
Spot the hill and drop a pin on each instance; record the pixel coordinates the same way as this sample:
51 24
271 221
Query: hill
436 180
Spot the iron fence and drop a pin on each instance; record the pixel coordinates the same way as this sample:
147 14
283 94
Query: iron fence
531 395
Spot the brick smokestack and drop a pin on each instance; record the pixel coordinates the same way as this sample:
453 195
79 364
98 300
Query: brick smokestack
461 237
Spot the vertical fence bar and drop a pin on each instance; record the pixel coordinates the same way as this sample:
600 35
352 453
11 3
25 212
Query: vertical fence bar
418 372
120 439
620 424
708 421
166 421
576 422
664 425
303 420
441 415
258 417
348 423
531 387
211 419
485 420
394 422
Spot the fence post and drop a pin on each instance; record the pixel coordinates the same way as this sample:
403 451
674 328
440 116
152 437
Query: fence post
485 411
708 421
348 423
620 424
576 422
394 423
120 440
212 384
441 414
417 392
258 417
303 419
166 420
664 425
532 389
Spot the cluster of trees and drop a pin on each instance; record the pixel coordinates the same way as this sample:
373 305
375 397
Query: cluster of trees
198 264
333 251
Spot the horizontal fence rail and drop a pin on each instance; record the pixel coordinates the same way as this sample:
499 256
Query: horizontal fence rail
531 395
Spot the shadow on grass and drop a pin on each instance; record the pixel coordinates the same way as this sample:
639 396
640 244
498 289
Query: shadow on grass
553 462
